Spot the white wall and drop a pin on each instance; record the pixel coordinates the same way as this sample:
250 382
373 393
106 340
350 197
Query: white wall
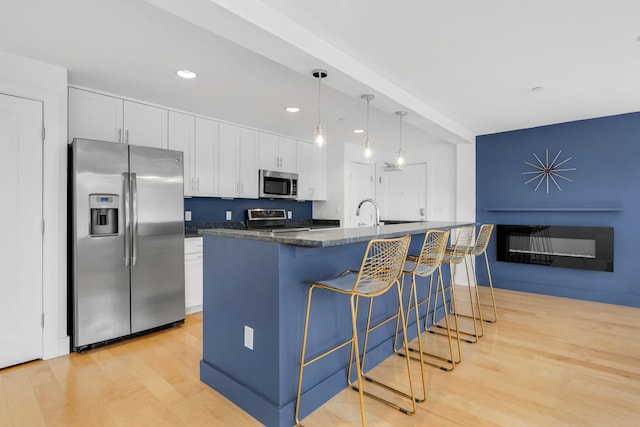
32 79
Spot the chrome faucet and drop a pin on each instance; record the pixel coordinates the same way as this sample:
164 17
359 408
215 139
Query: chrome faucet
375 205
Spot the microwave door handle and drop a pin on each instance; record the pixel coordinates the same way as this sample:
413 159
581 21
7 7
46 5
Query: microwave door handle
127 217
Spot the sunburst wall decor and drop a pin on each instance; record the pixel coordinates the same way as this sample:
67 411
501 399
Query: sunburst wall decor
543 172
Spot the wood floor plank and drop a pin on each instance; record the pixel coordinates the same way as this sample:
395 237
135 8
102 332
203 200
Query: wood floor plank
547 362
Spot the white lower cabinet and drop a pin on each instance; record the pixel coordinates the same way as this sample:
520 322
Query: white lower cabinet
193 274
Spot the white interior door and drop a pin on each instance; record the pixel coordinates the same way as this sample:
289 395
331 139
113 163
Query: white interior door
403 193
21 219
360 186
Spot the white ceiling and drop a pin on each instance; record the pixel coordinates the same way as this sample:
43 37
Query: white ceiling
460 68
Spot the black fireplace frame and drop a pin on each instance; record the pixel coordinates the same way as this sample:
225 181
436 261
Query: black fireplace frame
603 237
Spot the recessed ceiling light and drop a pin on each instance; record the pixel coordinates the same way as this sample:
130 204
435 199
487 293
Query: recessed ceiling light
186 74
536 89
292 109
358 131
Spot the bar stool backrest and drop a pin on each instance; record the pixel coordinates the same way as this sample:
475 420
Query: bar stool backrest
464 241
382 265
483 239
433 248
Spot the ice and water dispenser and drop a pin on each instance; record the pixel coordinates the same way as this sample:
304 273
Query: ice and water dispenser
104 214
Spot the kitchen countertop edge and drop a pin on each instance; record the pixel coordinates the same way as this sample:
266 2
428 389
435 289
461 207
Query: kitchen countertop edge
334 236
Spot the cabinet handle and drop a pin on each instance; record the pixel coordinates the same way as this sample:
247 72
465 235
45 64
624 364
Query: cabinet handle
198 183
126 136
120 135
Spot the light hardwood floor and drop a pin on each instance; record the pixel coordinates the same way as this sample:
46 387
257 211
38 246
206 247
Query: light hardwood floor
547 362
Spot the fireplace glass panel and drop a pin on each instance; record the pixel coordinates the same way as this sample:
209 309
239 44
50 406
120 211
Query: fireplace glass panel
589 248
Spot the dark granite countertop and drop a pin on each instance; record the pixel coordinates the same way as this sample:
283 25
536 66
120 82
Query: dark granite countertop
191 228
325 237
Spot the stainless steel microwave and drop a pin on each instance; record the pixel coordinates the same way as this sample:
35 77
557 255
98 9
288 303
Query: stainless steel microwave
278 185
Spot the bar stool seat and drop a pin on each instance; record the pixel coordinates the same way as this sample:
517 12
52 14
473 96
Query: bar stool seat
380 270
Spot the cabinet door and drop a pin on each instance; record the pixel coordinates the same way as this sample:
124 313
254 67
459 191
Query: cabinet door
287 154
318 173
268 152
302 163
145 125
94 116
193 282
228 142
206 157
248 161
181 138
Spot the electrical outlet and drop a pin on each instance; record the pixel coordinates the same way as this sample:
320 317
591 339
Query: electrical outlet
228 216
289 214
248 337
187 215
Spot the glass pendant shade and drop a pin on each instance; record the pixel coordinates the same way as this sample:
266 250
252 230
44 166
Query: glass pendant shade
368 143
400 160
319 134
319 130
368 148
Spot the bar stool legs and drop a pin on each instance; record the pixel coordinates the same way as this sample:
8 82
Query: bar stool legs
411 395
380 270
480 248
454 257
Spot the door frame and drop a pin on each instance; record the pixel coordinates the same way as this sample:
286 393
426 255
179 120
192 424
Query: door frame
26 78
41 216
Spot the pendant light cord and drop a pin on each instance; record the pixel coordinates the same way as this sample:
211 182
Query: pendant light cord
319 84
367 140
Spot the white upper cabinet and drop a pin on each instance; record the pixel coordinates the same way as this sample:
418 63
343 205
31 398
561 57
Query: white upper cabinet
287 149
228 140
248 157
268 151
302 161
145 125
312 171
181 138
106 118
94 116
277 153
237 162
205 164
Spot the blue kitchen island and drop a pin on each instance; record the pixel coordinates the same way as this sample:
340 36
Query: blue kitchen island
254 308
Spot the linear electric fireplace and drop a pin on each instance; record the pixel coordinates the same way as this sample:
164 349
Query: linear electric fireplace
585 248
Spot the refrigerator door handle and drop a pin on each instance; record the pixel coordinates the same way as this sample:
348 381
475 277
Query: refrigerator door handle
127 217
134 212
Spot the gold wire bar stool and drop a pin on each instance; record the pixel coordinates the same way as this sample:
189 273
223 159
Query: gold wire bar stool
425 265
454 256
480 248
380 270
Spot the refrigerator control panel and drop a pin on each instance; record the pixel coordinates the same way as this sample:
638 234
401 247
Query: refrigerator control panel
103 201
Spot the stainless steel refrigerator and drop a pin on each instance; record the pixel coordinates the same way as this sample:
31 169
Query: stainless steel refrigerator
127 240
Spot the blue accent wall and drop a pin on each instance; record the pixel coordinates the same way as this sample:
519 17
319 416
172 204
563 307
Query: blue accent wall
213 209
605 191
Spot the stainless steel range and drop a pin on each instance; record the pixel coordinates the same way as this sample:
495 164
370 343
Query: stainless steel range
273 220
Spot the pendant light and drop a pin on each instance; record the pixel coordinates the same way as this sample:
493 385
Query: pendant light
368 144
400 160
319 130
